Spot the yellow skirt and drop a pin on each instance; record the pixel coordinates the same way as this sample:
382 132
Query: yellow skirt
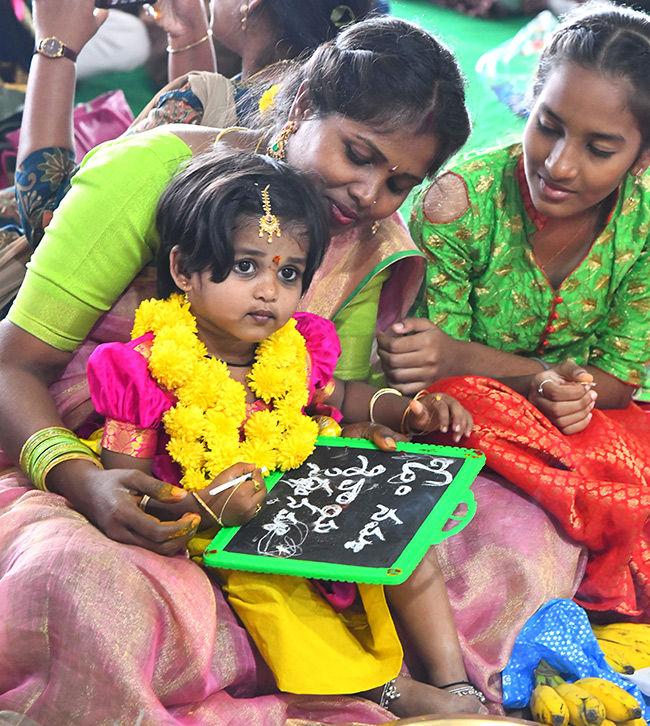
310 648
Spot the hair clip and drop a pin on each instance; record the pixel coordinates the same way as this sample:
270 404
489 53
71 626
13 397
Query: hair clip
269 223
342 15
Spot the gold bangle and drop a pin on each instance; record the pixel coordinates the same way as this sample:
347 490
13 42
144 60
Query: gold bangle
207 509
376 397
207 36
404 421
225 504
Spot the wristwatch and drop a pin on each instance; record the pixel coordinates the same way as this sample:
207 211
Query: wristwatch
53 48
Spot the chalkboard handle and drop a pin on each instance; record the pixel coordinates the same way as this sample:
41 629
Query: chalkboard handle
462 520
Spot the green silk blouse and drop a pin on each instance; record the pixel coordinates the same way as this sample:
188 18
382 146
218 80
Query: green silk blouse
483 283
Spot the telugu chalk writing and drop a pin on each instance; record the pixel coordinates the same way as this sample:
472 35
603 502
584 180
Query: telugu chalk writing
299 515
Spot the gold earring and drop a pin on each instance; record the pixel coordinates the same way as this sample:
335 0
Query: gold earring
278 150
374 228
244 16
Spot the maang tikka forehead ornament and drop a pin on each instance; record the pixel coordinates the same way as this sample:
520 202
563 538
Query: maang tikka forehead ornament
269 223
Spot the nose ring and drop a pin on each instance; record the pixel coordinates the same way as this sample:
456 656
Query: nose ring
375 202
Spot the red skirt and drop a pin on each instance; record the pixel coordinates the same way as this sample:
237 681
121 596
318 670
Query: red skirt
595 483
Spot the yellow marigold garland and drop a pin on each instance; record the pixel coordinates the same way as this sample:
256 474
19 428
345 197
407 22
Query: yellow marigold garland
204 426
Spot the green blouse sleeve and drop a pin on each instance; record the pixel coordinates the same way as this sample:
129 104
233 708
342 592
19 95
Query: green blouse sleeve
454 252
355 326
101 236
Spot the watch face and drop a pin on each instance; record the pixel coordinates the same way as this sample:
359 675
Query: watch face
52 47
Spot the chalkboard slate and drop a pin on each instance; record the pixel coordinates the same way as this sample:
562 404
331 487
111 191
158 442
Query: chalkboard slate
353 512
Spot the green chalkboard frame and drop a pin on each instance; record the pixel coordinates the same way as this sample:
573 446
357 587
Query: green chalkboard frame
429 533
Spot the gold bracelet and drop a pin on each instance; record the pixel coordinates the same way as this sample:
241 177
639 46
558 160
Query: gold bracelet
375 398
207 509
225 504
417 396
207 36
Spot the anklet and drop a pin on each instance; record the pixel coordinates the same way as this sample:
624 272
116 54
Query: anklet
389 694
463 688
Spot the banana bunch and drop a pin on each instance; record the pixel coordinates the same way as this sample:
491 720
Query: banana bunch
587 702
626 645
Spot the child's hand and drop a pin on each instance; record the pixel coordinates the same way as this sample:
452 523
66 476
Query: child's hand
237 505
384 438
438 412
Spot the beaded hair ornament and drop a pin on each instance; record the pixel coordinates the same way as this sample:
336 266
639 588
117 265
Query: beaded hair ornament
269 223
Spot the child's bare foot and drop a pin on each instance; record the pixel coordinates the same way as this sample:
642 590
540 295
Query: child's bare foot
419 698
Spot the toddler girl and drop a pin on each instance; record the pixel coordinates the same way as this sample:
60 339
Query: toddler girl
219 380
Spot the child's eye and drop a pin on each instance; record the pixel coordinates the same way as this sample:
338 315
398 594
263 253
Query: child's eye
289 274
244 267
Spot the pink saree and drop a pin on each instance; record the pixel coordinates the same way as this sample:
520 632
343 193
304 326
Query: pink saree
96 633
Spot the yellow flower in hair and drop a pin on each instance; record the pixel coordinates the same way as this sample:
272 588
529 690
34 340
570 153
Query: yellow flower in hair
184 422
268 98
298 444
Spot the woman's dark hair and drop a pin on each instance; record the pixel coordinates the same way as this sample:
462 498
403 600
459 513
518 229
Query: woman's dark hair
305 24
389 73
611 40
217 190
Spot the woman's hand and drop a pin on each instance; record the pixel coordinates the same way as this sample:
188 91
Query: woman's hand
415 353
181 18
381 436
564 395
236 505
439 412
109 498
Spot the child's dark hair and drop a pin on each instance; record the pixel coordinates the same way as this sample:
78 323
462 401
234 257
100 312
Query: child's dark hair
204 203
389 73
608 39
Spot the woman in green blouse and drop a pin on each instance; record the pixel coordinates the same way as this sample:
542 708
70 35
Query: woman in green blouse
538 281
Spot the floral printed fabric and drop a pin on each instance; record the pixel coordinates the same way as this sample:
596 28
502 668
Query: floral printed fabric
483 282
41 183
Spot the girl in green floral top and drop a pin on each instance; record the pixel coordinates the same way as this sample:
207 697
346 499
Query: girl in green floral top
537 309
539 255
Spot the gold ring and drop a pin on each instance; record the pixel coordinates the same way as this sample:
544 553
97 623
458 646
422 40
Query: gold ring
256 485
143 502
257 510
437 397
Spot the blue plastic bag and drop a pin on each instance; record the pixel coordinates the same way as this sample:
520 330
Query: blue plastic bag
559 633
